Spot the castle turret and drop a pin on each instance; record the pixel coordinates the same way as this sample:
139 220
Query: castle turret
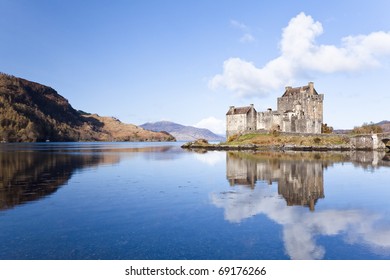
311 88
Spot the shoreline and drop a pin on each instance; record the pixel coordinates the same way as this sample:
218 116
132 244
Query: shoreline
254 147
297 142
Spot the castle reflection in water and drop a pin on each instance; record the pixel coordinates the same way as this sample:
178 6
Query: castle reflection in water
299 176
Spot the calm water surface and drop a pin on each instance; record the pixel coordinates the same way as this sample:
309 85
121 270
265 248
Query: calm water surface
157 201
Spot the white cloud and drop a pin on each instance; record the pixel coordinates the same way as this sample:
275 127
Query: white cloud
300 54
301 227
210 158
215 125
244 78
247 37
238 25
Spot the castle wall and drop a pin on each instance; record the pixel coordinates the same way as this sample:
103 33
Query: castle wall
252 119
310 105
287 126
363 142
269 120
305 112
238 123
287 122
235 124
299 110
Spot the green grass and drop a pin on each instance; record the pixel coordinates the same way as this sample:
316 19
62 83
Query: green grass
286 139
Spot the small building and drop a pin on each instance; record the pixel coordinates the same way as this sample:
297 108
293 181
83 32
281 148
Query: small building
299 110
240 119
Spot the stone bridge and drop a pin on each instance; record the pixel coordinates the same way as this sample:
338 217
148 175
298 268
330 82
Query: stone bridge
386 140
380 141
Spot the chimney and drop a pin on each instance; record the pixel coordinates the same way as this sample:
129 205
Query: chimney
251 105
288 88
231 108
311 87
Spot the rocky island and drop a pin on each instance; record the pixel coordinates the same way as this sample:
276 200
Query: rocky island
297 142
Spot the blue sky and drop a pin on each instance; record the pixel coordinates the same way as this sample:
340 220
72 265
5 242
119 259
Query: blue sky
188 61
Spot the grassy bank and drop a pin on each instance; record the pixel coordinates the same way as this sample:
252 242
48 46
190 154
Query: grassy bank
277 139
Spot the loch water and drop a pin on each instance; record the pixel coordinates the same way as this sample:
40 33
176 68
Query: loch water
156 201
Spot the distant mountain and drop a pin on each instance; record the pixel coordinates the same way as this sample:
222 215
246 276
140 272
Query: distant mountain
31 112
385 125
182 132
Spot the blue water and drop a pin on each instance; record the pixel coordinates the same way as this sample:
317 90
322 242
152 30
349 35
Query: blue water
157 201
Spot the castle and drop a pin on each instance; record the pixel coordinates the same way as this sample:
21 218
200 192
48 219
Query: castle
299 111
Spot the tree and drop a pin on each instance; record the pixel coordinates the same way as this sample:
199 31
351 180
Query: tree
367 129
326 129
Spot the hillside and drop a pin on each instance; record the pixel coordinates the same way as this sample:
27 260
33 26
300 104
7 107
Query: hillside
114 130
31 112
182 132
385 125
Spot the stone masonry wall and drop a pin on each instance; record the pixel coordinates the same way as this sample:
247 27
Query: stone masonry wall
238 123
235 124
310 105
265 120
300 111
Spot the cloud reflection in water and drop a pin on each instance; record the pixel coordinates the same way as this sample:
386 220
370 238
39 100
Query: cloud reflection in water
301 228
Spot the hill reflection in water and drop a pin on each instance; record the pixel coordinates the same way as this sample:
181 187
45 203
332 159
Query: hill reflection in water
157 201
33 171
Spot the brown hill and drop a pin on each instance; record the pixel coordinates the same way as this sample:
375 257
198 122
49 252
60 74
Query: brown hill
385 125
31 112
182 132
112 129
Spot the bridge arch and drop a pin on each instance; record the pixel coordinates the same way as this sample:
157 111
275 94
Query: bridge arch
386 141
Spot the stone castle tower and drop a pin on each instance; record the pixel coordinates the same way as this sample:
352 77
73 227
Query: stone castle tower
299 110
